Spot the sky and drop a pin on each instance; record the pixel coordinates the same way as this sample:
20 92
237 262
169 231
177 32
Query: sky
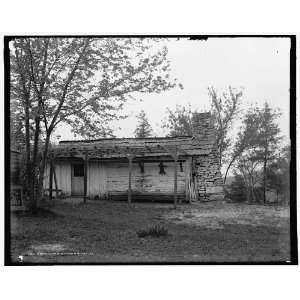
260 66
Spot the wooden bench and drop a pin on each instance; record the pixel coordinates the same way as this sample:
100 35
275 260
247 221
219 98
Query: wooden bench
58 192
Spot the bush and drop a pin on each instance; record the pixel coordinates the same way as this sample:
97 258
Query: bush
237 191
155 231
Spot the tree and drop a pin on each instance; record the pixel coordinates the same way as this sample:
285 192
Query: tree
237 189
268 139
224 109
248 167
82 82
180 121
256 146
278 174
247 138
143 128
16 127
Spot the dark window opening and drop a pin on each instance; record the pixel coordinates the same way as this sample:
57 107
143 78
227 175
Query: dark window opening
161 168
141 164
181 167
78 170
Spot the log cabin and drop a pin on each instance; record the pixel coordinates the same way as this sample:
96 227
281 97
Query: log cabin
181 168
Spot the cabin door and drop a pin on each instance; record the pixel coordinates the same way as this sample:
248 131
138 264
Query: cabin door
77 182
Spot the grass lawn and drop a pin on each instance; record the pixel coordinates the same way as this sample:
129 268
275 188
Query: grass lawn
107 232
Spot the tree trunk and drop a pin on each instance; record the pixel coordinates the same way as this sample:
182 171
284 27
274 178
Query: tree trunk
50 180
40 180
129 178
85 177
264 180
175 180
29 202
228 167
55 179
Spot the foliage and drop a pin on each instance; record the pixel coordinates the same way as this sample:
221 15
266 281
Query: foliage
278 175
257 145
246 138
224 109
143 128
17 133
268 132
180 121
237 190
155 231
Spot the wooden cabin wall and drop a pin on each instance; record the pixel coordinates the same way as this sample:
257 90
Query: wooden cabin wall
109 180
149 185
96 180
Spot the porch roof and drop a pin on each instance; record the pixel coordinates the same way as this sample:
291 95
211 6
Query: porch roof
199 144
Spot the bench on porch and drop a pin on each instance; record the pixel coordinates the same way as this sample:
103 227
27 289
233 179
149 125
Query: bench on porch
58 192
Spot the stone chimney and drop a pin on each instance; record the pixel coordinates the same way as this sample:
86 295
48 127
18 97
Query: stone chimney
207 170
203 128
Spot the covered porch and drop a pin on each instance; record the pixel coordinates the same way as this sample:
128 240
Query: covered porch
135 162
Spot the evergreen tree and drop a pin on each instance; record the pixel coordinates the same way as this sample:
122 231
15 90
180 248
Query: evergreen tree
143 128
268 140
258 145
278 175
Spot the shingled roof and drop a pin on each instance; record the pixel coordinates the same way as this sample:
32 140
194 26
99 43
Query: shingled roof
199 144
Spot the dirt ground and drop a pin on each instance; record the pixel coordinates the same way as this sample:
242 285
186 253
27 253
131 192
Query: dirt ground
106 232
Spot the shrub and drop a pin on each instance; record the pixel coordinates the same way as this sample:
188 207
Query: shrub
237 190
155 231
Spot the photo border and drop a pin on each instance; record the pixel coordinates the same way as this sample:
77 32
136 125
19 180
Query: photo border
293 162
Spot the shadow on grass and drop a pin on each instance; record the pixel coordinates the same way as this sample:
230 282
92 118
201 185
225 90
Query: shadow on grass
38 213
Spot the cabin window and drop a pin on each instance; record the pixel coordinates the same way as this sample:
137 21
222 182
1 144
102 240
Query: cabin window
141 164
161 168
181 167
78 170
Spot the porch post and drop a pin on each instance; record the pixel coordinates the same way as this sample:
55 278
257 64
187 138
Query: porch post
50 178
85 178
175 179
129 178
188 170
55 179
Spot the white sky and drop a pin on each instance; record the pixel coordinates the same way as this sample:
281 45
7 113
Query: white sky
259 65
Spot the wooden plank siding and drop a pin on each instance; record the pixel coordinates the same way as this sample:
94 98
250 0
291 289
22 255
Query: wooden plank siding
97 183
109 180
149 185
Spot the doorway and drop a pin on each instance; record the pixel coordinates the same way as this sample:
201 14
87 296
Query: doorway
77 182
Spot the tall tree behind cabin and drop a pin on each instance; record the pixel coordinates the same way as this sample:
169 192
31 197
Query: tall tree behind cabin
143 128
82 82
